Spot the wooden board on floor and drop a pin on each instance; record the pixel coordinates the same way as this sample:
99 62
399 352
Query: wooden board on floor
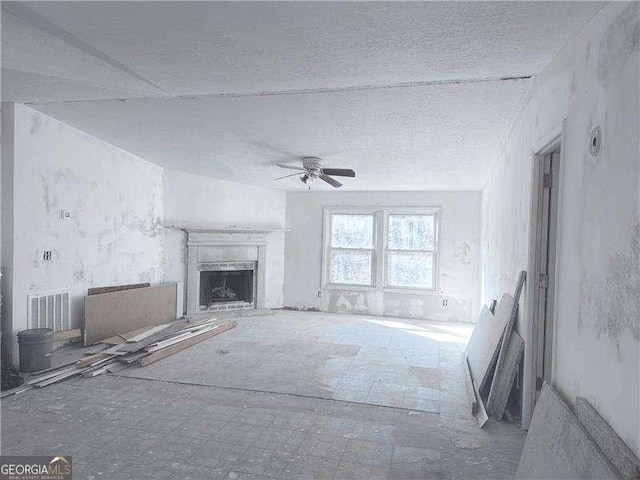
173 327
503 379
471 394
613 447
116 288
481 414
165 352
127 310
484 344
115 340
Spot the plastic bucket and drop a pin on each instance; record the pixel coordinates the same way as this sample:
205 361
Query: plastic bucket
36 347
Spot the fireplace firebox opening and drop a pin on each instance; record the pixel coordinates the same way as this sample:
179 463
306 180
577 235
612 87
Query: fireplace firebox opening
227 286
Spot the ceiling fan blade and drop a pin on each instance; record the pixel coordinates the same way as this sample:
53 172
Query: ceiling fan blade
331 181
287 176
339 172
292 167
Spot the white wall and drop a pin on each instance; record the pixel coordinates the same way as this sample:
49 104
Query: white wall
116 202
593 81
202 201
459 255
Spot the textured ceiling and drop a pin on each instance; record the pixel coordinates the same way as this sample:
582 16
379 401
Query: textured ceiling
408 94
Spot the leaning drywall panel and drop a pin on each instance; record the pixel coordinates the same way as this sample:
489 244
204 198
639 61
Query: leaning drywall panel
112 313
557 447
593 82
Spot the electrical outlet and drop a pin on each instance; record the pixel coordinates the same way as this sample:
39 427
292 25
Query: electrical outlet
445 302
47 255
319 293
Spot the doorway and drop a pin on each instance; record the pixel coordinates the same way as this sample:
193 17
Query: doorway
546 206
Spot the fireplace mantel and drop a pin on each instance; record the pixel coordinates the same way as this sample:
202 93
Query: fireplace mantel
225 229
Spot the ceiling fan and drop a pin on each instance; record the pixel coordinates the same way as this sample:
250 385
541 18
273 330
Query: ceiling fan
313 168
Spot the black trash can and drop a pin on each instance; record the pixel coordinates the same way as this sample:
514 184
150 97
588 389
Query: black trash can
36 347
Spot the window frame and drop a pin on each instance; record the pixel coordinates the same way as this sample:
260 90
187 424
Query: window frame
379 261
431 212
326 274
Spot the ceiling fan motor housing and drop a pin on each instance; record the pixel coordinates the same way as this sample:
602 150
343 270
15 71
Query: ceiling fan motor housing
313 165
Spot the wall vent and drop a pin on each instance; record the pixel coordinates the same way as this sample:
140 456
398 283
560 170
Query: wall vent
50 310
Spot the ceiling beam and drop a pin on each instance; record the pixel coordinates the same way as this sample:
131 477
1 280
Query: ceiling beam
309 91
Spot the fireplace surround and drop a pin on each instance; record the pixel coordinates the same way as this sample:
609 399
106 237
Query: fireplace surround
226 269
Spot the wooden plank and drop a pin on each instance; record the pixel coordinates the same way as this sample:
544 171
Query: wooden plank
92 358
177 339
58 378
15 391
127 310
481 415
174 327
132 357
613 447
503 380
67 335
117 340
557 446
143 335
52 374
51 369
95 372
165 352
484 343
470 391
493 403
116 288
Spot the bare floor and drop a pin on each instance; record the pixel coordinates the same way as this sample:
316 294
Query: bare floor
295 395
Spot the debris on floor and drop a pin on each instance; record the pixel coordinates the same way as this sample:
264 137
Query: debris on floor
493 356
154 344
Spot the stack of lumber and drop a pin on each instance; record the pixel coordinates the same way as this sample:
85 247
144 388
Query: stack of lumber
493 356
143 348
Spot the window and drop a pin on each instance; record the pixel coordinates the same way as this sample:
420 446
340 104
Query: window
383 248
351 249
410 251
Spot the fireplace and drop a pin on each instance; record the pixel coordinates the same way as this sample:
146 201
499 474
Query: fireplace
227 285
226 269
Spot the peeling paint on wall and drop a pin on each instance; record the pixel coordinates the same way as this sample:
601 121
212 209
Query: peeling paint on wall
114 233
618 302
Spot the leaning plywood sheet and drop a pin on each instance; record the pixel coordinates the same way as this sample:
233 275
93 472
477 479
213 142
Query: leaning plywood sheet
557 447
127 310
493 402
503 379
616 451
484 343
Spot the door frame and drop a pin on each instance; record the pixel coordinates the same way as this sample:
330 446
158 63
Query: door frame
547 144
